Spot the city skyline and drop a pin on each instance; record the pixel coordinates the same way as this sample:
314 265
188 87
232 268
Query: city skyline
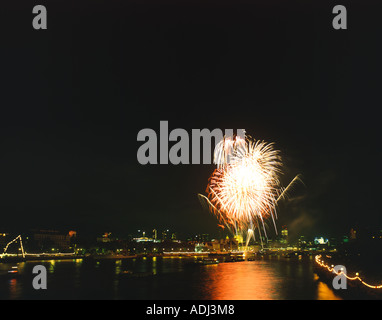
170 234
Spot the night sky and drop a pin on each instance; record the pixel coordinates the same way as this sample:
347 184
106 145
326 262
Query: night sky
75 96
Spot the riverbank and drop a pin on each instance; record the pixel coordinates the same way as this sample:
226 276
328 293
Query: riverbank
356 287
222 256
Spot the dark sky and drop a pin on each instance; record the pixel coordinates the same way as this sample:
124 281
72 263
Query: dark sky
74 97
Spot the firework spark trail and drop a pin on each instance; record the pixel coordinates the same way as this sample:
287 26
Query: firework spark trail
206 203
244 189
290 185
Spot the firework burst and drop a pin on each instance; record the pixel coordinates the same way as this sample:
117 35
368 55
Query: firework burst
244 188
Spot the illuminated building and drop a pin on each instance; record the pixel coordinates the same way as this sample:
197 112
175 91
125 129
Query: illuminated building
48 239
284 235
143 239
200 247
320 240
215 245
239 238
165 235
302 242
106 237
353 234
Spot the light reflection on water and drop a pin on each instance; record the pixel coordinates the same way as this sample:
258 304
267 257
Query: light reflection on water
168 278
324 292
242 281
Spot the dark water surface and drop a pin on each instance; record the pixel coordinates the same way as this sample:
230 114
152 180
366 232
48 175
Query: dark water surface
167 278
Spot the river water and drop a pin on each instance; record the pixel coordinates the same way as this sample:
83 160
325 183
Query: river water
168 278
